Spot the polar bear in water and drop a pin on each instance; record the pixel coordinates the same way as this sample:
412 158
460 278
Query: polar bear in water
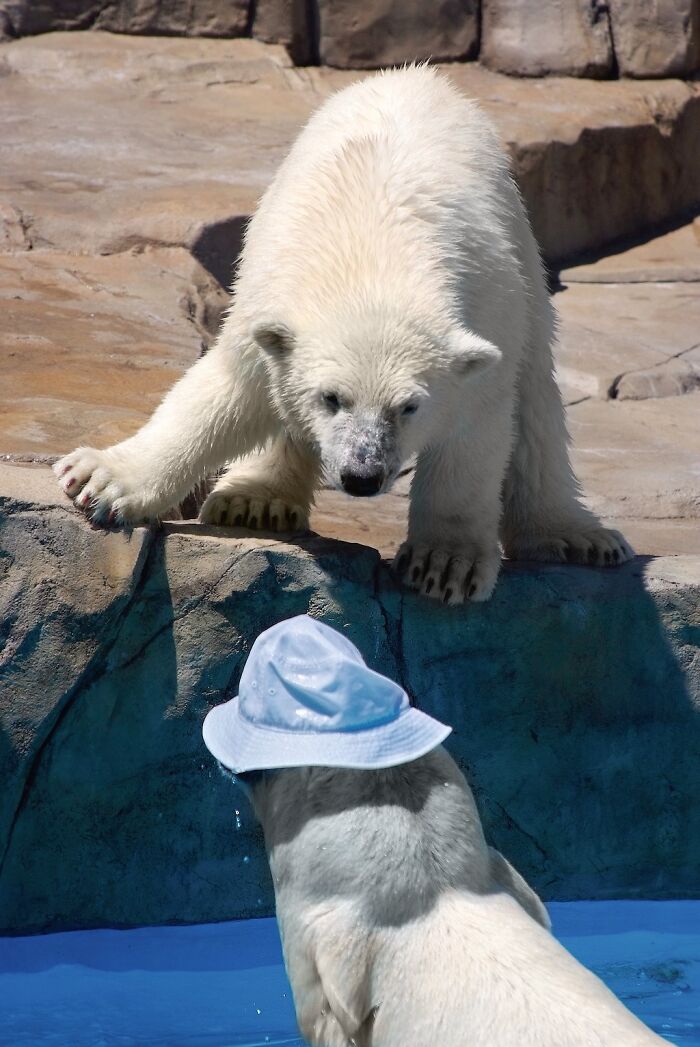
402 928
390 302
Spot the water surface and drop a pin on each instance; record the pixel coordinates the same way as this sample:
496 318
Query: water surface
223 985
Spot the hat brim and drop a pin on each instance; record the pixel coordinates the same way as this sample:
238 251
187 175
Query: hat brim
244 746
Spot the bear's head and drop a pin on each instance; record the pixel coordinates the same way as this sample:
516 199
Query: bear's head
369 394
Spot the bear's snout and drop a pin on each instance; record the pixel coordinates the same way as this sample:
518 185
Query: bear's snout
363 483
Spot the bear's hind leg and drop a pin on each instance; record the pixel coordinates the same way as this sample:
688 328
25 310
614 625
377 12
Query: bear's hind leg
271 491
543 517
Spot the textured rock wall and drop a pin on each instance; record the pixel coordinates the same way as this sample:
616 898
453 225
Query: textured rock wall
642 38
158 17
590 38
575 697
656 38
388 32
568 37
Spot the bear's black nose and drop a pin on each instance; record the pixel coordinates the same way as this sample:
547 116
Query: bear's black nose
362 484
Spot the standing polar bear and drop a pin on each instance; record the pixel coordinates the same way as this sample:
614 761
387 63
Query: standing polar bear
390 302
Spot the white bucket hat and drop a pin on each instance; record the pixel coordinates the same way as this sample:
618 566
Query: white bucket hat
306 698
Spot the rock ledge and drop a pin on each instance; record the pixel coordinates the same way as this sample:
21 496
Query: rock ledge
574 695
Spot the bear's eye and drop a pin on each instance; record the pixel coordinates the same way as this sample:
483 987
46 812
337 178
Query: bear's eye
332 401
410 408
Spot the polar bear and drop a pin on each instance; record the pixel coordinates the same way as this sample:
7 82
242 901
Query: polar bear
402 928
390 302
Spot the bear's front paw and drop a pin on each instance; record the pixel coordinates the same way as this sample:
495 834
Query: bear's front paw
254 513
596 546
100 485
449 575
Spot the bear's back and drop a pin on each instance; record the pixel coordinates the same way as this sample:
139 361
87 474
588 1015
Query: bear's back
413 130
390 182
417 107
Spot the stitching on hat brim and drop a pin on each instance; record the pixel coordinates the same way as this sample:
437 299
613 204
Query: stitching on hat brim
345 756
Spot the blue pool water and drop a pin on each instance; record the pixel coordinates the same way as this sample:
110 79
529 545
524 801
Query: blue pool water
223 985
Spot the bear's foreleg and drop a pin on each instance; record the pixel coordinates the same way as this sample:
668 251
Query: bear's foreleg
218 409
543 517
452 552
273 490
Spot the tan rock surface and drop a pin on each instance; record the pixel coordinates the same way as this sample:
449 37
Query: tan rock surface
609 330
111 141
379 522
639 459
89 345
664 316
672 257
674 377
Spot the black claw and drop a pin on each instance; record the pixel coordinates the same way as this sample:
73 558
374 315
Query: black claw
592 555
448 595
237 521
616 556
293 520
429 585
472 590
402 563
608 558
253 522
415 573
273 522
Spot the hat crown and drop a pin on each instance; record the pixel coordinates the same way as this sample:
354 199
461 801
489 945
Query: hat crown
302 675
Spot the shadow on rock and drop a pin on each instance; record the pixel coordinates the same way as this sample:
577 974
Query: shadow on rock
574 698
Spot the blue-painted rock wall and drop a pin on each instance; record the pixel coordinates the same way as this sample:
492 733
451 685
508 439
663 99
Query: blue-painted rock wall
574 696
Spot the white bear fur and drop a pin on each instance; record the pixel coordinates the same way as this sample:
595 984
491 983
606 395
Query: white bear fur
389 302
401 928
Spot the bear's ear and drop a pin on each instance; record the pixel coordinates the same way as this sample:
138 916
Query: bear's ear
470 353
272 336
